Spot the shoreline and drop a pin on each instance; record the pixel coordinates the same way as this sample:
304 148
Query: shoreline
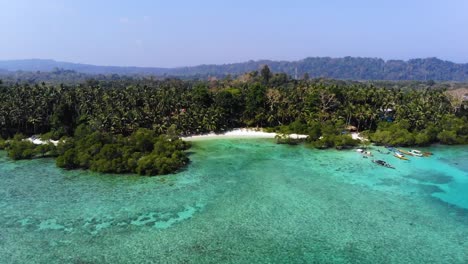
37 141
232 134
239 133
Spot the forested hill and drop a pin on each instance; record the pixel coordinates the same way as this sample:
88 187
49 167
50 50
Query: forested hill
350 68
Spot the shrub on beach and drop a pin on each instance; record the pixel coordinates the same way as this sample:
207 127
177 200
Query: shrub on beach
20 149
330 134
336 141
2 143
143 152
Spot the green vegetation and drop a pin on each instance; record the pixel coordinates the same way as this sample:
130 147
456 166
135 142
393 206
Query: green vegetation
143 152
21 150
286 139
2 143
330 134
105 122
18 148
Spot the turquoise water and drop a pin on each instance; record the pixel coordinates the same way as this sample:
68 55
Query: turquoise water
241 201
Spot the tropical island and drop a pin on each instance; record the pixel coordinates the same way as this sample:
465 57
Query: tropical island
234 132
134 125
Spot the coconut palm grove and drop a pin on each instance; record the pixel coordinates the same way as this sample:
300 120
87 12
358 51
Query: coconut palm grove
133 125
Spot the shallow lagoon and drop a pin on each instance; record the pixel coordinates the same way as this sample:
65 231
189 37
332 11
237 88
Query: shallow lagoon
241 201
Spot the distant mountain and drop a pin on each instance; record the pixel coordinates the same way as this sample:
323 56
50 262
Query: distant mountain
347 68
51 65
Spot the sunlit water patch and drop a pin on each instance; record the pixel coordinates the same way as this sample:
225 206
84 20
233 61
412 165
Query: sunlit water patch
241 201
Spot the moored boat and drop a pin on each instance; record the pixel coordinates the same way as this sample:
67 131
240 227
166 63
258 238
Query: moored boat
383 163
405 152
364 152
400 155
416 153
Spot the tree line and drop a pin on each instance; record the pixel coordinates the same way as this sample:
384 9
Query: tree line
322 110
255 99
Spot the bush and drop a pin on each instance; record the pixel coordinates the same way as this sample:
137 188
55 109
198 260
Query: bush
345 141
143 152
21 149
2 143
286 139
67 160
448 137
46 150
324 142
394 134
422 139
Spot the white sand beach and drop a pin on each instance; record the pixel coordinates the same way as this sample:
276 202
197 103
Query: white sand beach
239 133
356 135
235 133
37 141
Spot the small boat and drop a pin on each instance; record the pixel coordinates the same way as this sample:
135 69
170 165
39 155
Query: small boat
416 153
400 155
427 154
383 163
365 153
405 152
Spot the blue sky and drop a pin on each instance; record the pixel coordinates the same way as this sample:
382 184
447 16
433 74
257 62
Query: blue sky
183 32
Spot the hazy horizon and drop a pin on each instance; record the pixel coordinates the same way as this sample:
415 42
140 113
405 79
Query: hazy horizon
184 33
217 64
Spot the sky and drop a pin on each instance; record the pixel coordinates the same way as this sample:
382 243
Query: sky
175 33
